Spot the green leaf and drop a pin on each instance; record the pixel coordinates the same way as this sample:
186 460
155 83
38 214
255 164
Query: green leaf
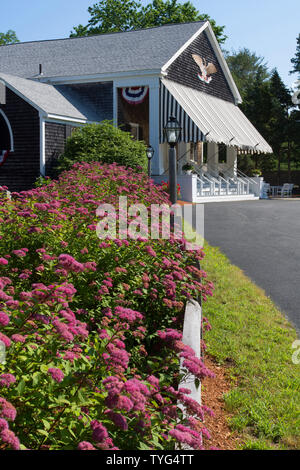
43 432
46 424
143 446
35 378
21 387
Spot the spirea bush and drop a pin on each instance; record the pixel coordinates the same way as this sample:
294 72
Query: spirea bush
92 328
103 143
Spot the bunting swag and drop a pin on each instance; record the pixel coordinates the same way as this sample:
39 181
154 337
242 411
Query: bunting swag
170 107
135 94
3 156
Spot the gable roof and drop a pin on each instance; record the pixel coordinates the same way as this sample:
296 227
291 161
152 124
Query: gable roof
51 100
145 49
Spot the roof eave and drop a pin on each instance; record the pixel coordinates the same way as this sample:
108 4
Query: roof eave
42 112
99 77
215 45
184 46
25 98
225 68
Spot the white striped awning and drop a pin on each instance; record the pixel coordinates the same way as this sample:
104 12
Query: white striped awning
218 120
171 107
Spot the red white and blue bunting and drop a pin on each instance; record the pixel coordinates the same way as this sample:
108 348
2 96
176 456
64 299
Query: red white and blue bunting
135 94
3 156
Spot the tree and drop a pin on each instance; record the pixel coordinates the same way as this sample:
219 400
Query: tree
108 16
9 37
296 60
244 66
280 123
267 104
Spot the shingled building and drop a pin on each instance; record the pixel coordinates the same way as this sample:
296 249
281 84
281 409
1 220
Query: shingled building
136 79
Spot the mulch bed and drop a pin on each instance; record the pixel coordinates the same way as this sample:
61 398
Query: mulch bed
213 390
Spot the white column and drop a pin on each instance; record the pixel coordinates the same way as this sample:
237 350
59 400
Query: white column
232 161
212 157
154 96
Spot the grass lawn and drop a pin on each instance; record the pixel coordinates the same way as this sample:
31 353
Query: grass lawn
252 337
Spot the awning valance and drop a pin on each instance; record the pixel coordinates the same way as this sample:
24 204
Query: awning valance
218 120
169 106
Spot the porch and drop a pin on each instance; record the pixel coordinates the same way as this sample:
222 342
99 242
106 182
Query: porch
213 175
214 132
213 188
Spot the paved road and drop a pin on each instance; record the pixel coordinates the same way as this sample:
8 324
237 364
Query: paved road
263 239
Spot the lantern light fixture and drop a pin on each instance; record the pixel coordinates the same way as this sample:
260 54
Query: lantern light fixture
172 131
149 152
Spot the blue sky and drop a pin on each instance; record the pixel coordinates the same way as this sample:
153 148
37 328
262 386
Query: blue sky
268 27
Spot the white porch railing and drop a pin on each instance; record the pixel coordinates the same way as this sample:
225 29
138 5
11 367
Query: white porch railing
216 185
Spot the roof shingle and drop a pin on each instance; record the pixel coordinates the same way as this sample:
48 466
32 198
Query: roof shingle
144 49
59 101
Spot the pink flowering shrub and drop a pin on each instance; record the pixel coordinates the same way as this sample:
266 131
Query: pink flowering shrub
92 327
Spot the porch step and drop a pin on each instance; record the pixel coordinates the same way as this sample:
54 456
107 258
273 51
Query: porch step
225 198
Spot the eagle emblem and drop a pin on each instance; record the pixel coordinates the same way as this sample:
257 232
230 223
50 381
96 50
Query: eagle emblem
206 69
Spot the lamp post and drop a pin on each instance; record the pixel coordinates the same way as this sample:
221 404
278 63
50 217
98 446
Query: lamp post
149 153
172 132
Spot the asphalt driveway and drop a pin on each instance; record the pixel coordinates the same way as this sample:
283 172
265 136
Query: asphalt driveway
263 239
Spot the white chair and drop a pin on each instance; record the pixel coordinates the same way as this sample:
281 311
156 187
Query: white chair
291 189
284 190
267 189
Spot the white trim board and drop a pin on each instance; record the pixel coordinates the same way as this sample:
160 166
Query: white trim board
217 50
42 147
9 129
185 45
98 77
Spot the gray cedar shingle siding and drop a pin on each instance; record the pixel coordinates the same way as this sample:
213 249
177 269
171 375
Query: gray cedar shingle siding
23 165
146 49
184 70
97 97
55 138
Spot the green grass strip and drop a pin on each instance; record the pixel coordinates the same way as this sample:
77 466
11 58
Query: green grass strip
253 337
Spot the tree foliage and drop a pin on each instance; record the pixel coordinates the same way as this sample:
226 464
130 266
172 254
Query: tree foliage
9 37
268 105
109 16
245 67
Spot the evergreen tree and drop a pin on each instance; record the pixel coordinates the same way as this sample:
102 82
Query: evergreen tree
282 126
296 60
257 104
244 66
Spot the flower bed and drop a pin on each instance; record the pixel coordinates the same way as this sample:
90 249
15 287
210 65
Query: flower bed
91 327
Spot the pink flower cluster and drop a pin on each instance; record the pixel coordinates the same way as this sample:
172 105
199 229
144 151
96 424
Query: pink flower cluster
56 374
91 320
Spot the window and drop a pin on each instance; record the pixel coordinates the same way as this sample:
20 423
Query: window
193 152
222 153
204 152
136 131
